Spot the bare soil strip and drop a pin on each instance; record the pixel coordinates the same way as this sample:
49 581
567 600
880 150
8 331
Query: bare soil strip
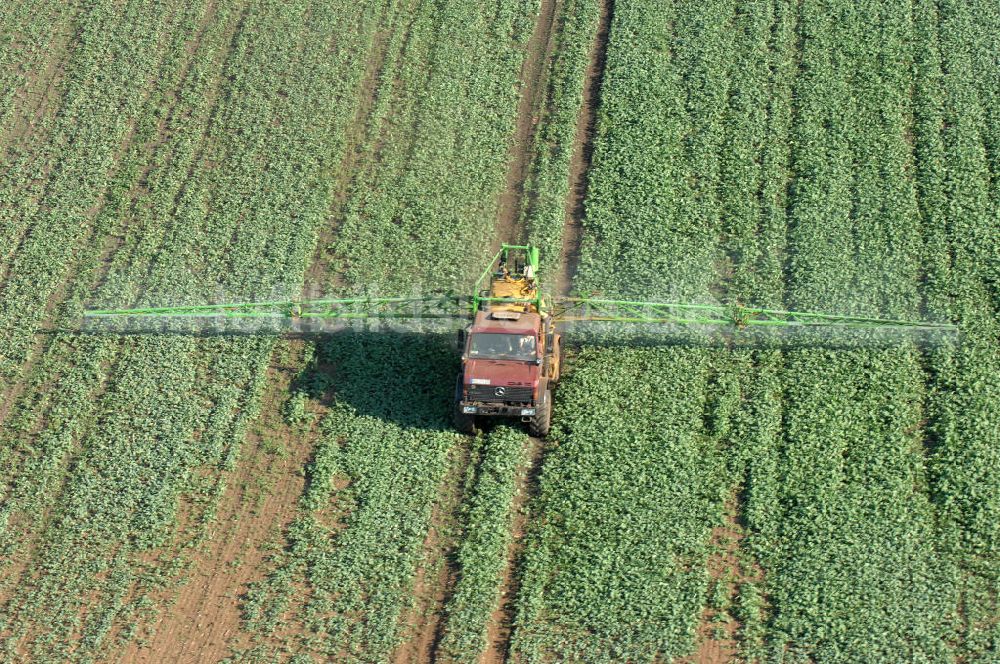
501 625
583 153
719 629
534 72
435 578
258 503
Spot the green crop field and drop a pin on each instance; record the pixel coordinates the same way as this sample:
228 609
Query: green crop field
190 496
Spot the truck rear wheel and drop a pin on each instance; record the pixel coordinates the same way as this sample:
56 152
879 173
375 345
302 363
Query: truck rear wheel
560 360
464 422
538 426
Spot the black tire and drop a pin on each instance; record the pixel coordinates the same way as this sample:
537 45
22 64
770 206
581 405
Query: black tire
464 423
561 354
538 426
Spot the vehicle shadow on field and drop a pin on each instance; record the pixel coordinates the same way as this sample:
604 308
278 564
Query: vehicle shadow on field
396 374
406 378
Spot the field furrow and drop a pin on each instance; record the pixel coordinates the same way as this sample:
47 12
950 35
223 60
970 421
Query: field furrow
759 494
581 598
332 592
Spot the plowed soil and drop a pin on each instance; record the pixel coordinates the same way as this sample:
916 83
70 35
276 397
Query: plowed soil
583 153
258 503
534 73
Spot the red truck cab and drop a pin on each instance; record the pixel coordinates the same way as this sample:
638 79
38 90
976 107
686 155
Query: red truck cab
509 361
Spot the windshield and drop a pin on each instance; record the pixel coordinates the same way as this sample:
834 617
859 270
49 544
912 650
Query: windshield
493 346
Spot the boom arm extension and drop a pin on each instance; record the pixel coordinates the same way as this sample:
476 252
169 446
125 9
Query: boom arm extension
434 306
626 311
451 306
514 268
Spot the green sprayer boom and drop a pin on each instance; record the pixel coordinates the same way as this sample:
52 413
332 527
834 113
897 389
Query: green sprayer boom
569 309
522 260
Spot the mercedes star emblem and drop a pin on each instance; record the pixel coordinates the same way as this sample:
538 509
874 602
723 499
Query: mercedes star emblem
500 391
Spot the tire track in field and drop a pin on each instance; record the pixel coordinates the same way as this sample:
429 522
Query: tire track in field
434 581
720 627
534 75
583 153
501 625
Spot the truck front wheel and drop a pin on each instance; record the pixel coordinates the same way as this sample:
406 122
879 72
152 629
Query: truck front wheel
538 426
464 422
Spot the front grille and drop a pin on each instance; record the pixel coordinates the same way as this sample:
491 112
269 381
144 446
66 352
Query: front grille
512 394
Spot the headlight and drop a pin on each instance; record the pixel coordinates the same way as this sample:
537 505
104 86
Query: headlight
527 411
469 410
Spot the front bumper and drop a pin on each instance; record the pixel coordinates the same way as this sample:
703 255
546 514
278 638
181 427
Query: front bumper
497 409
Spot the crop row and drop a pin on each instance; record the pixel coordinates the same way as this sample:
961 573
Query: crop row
54 438
857 204
637 480
616 571
654 162
956 143
370 489
167 406
872 196
82 171
418 213
436 160
482 554
33 43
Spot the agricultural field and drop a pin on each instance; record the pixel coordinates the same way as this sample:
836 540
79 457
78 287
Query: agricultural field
198 497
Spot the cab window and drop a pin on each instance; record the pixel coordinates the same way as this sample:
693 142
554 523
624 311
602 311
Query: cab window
496 346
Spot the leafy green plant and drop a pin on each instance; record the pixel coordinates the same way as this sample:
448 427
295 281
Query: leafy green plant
129 421
811 166
482 555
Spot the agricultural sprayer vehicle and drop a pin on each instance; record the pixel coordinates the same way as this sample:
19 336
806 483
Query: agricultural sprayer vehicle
510 337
